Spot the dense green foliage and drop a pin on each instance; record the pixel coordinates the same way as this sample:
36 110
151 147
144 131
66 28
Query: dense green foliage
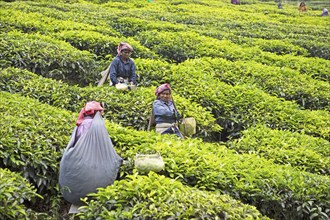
253 76
238 106
246 177
14 191
129 109
47 57
301 151
32 140
158 197
282 82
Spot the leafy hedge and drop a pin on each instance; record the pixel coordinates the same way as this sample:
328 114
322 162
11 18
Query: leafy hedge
290 43
236 107
30 22
315 49
158 197
47 57
282 82
158 29
263 21
129 26
102 46
99 40
279 47
180 46
247 105
281 192
301 151
127 108
276 191
32 140
14 191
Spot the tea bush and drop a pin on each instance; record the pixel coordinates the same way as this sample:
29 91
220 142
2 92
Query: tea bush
250 36
47 57
14 191
278 47
180 46
101 45
301 151
282 82
315 49
128 108
158 197
237 107
32 140
36 22
275 190
129 26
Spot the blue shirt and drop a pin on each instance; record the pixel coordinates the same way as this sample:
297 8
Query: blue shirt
164 112
120 69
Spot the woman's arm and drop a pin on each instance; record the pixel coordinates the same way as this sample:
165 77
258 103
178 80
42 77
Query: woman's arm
133 73
113 72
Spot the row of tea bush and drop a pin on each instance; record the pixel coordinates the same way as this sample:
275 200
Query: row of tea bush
42 131
197 46
235 107
131 109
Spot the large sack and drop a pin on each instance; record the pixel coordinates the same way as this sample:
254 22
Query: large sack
89 164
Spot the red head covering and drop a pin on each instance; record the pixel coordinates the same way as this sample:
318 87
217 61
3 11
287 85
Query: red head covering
124 46
89 109
162 88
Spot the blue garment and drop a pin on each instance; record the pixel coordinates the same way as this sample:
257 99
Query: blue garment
125 70
165 112
173 130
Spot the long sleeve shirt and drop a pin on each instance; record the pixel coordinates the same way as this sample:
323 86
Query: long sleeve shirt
125 70
84 127
165 112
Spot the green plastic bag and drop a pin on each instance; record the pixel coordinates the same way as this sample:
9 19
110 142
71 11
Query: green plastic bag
149 162
188 126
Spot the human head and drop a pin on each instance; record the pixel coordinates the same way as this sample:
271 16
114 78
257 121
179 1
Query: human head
89 109
163 92
302 3
124 47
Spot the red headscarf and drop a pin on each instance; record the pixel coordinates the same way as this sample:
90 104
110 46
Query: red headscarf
89 109
124 46
162 88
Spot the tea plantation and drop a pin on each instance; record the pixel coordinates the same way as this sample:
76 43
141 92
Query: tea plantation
256 79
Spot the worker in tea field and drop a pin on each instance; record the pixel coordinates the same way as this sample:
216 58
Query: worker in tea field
279 5
166 115
235 2
122 68
302 7
325 12
89 160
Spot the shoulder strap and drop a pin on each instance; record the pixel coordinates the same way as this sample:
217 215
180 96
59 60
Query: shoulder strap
152 121
105 75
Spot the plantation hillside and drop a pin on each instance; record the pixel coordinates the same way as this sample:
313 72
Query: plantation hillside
256 79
